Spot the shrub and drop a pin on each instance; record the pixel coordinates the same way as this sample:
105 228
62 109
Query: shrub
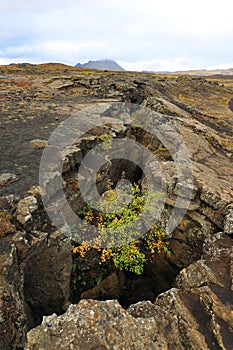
118 230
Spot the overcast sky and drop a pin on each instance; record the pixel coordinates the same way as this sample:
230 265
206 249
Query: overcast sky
140 35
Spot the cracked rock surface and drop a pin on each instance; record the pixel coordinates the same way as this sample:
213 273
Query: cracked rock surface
196 314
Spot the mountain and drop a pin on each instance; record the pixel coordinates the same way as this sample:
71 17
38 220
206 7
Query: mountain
101 65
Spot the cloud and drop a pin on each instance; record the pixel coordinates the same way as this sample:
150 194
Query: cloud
144 34
55 50
178 63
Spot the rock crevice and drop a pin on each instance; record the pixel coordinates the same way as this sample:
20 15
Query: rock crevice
184 300
193 315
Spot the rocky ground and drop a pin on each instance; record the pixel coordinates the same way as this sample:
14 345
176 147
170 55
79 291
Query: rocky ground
35 100
196 314
190 291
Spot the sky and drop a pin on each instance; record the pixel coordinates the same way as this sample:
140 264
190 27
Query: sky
163 35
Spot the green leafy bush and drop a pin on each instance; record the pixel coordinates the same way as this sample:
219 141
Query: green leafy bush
117 231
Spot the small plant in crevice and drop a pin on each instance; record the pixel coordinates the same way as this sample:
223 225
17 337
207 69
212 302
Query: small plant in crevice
117 231
106 141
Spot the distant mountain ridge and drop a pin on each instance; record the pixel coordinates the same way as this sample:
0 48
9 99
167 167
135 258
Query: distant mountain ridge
207 72
199 72
101 65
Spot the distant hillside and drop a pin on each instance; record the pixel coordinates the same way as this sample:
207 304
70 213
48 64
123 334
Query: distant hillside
198 72
21 65
205 72
101 65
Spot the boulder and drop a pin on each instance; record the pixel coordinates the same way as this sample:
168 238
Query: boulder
7 178
34 281
93 325
12 313
26 207
110 288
